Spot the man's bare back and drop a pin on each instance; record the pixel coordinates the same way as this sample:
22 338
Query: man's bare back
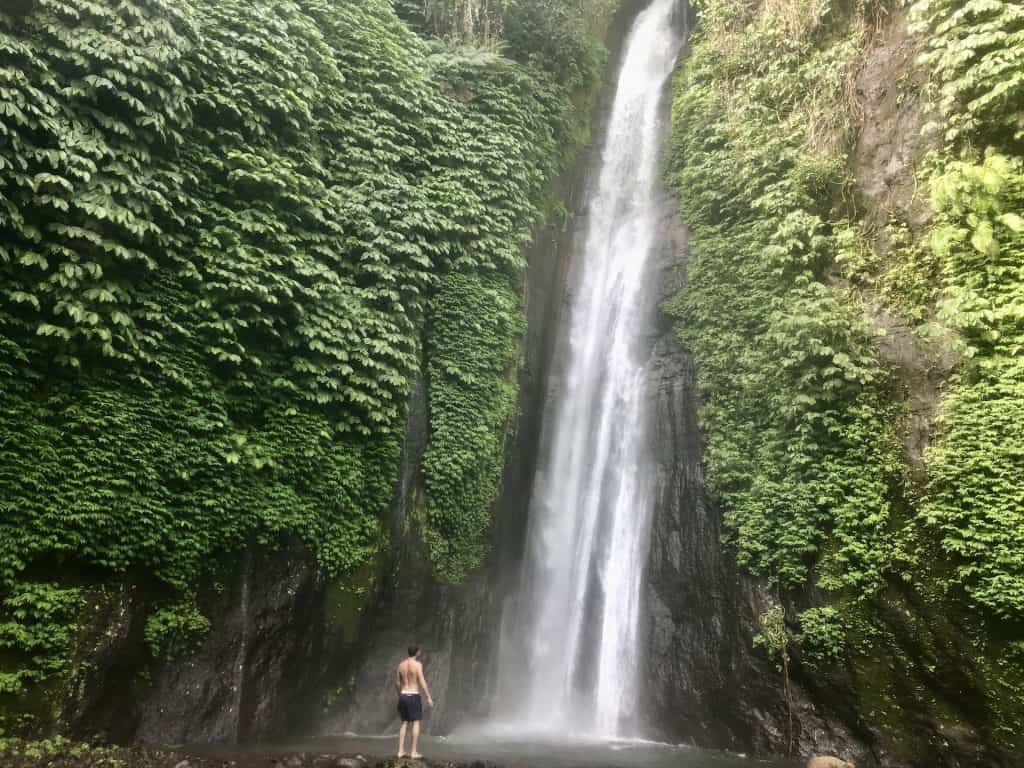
410 682
410 677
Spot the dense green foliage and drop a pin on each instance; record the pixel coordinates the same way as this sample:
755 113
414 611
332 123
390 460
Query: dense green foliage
58 752
791 285
510 145
976 50
975 498
232 235
470 367
976 467
801 440
39 618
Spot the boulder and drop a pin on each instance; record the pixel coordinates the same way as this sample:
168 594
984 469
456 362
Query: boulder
827 761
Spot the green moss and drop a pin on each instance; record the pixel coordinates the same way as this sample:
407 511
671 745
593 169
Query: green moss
346 598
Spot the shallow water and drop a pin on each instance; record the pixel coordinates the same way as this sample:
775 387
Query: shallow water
534 754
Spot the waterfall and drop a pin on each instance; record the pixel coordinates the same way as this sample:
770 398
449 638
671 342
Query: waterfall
569 651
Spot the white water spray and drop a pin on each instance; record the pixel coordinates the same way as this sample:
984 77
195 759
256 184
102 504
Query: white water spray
569 661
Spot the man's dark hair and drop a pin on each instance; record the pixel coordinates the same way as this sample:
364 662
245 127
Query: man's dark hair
413 650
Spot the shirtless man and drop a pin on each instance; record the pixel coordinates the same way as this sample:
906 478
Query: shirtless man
410 704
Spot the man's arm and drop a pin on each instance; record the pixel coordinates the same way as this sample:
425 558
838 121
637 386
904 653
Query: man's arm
423 683
398 679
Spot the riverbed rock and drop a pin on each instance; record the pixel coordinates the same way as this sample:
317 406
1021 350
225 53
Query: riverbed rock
827 761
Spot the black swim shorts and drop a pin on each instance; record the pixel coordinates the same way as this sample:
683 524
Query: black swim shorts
410 707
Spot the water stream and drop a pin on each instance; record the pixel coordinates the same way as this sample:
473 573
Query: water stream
569 654
514 754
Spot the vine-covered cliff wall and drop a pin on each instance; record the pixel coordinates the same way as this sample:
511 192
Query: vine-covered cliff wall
851 177
234 237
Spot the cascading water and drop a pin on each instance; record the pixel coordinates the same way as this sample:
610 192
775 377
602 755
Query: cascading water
569 658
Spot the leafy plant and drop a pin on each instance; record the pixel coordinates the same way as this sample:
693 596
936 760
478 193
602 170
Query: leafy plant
37 621
60 751
822 635
975 52
175 630
775 638
975 467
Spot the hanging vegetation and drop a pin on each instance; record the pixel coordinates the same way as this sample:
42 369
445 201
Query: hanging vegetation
790 291
230 235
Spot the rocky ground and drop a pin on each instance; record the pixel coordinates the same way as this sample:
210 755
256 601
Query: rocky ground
68 755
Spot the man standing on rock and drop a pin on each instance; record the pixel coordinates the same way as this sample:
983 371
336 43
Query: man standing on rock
410 704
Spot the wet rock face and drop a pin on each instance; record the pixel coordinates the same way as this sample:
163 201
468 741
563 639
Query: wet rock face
685 603
450 624
705 682
100 693
891 143
249 680
893 112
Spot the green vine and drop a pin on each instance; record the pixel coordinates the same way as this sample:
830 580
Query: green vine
801 437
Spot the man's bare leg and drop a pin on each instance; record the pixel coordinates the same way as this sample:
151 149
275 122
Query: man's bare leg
401 740
415 738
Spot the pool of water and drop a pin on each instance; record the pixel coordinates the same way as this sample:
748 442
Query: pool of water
534 753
